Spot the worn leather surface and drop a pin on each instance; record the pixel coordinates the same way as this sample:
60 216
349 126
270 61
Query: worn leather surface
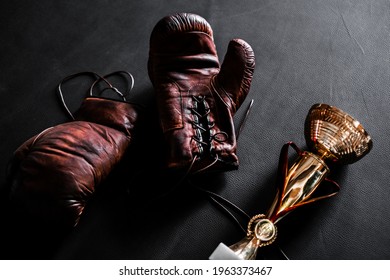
53 175
196 98
307 52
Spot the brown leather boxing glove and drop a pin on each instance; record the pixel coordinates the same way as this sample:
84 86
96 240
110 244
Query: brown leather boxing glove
55 173
197 98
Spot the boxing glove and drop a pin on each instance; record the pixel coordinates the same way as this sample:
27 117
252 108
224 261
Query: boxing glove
55 173
196 97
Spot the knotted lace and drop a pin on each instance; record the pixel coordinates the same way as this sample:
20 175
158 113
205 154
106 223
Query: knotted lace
202 124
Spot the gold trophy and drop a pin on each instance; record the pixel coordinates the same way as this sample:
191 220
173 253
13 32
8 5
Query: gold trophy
332 136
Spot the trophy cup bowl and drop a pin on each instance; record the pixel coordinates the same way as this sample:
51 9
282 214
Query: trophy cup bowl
335 135
331 136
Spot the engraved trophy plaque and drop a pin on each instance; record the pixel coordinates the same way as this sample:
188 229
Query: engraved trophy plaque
331 136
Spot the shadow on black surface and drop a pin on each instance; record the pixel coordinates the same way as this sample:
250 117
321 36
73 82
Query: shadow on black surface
23 238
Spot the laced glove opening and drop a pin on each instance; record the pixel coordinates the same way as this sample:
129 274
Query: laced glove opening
196 96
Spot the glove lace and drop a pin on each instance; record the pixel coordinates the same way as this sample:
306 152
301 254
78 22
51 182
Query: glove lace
202 124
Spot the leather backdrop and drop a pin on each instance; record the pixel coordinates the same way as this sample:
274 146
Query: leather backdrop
307 52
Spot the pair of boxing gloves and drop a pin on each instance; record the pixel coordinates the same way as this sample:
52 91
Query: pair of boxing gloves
55 173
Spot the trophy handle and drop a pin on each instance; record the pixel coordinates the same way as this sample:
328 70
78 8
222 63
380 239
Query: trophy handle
318 193
283 167
325 195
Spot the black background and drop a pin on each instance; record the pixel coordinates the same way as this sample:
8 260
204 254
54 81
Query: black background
307 51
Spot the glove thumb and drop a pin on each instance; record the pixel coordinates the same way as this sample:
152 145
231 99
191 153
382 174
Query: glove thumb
236 72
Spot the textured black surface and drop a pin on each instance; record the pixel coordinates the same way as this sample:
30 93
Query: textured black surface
321 51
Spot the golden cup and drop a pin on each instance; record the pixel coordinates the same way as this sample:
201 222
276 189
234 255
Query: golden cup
331 136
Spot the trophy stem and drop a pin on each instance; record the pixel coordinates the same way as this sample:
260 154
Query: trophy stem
246 249
261 232
299 184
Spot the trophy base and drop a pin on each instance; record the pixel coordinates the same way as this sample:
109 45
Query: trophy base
223 252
